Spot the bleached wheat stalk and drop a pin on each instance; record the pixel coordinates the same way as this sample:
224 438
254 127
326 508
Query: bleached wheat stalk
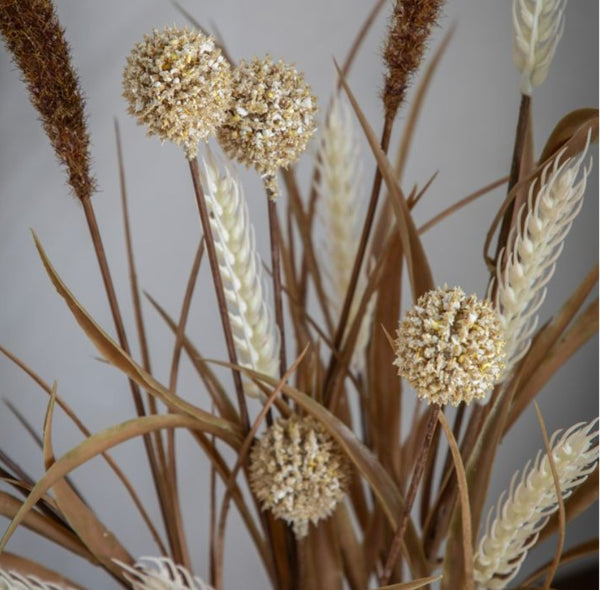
338 188
15 581
538 26
534 245
522 512
160 573
254 332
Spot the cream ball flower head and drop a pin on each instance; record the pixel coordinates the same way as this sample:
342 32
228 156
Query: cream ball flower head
450 347
178 84
298 472
271 117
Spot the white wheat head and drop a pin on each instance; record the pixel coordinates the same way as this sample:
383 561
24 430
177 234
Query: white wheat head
538 26
524 510
161 573
338 188
534 245
255 334
10 580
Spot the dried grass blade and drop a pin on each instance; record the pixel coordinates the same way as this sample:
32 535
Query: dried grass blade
588 548
85 431
422 582
101 542
44 526
115 355
417 103
459 567
418 267
355 567
569 126
24 566
559 497
213 385
584 327
102 441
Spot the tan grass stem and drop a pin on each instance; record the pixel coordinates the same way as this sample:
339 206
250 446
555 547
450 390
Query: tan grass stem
420 462
220 293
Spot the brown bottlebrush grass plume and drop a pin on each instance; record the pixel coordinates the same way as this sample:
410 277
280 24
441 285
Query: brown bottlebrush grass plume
33 35
410 27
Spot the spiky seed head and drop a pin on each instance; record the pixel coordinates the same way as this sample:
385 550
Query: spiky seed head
298 472
450 347
178 84
271 117
160 573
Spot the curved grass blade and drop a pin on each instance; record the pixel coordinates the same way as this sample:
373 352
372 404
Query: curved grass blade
24 566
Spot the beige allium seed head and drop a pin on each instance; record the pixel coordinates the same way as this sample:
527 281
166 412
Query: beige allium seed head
179 85
271 117
298 472
450 347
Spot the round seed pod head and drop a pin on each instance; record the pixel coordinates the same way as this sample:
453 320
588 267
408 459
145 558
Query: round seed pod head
450 347
178 85
270 119
298 472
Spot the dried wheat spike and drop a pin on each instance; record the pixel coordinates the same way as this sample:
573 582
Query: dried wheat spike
409 30
161 573
538 26
523 511
534 245
338 188
254 332
33 35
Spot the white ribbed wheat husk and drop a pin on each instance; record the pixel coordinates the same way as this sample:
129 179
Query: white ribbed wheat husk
538 26
524 510
255 334
338 188
161 573
10 580
534 245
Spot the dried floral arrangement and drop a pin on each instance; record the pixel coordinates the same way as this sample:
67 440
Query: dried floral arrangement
305 433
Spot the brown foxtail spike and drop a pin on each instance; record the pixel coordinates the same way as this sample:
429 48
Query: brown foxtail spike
410 26
33 35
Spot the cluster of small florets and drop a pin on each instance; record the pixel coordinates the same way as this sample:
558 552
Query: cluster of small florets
298 472
271 117
179 85
450 347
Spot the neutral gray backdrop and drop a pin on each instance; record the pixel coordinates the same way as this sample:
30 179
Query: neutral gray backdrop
465 132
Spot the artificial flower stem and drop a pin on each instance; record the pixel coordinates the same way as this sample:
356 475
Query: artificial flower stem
412 493
219 290
360 254
274 235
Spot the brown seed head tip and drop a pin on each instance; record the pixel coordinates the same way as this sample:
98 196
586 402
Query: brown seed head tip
450 347
178 84
410 26
33 35
298 472
271 117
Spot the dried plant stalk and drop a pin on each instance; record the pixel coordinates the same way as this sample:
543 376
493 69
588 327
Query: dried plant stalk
338 187
36 40
531 499
535 243
255 335
410 27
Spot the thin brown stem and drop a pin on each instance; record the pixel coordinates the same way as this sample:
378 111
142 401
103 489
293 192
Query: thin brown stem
360 255
412 493
275 237
220 292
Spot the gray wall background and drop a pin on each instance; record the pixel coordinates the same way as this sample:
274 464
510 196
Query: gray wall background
465 132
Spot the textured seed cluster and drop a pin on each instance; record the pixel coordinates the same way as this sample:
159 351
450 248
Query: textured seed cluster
450 347
271 117
178 84
298 472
